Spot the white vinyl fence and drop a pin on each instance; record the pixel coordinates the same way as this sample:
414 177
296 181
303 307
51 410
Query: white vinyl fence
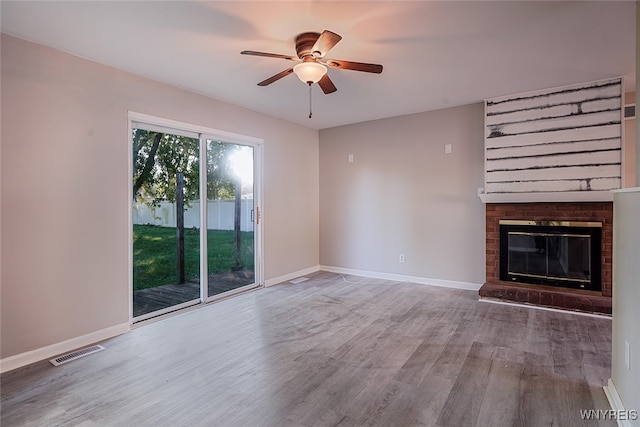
220 214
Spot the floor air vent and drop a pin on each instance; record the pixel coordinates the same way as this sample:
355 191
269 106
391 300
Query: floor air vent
76 355
299 280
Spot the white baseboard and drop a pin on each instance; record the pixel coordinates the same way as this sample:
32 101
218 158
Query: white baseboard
404 278
611 392
287 277
19 360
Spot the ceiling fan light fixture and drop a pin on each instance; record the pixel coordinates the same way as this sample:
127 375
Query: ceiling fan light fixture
310 72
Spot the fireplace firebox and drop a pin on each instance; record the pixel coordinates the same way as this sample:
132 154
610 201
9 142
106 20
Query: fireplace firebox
556 253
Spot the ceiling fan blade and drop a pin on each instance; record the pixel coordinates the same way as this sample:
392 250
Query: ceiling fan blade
276 77
325 43
326 84
356 66
269 55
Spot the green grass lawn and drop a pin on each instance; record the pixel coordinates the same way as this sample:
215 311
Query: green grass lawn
154 254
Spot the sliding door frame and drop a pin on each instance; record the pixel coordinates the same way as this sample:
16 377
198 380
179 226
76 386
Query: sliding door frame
203 133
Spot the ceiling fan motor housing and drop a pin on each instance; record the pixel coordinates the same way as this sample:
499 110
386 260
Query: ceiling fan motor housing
304 44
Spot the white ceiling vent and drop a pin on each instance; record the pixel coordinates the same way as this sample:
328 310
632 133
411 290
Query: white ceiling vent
76 355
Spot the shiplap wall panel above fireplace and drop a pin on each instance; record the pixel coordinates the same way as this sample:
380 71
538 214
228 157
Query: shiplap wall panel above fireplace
565 139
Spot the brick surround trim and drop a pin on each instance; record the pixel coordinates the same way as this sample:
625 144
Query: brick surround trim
581 211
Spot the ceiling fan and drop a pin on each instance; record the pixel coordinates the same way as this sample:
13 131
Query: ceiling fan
311 49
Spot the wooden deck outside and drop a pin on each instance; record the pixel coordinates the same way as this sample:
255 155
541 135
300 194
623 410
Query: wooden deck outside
154 299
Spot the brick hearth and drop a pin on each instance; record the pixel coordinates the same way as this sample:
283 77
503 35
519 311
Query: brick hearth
550 296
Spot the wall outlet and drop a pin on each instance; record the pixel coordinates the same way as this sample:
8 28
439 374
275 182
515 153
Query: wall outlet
447 149
627 354
401 257
350 158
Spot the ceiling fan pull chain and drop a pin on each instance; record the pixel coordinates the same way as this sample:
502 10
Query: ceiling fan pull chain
309 99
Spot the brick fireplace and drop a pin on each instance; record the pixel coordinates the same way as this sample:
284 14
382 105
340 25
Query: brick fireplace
544 295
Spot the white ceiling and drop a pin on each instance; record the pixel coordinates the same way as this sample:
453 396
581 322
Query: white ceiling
435 54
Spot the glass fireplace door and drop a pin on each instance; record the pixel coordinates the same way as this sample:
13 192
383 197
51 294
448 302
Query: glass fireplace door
555 253
555 256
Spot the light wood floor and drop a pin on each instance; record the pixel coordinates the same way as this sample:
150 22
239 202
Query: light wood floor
330 351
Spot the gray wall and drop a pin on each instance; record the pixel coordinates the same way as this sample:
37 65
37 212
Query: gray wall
65 144
626 298
403 194
626 275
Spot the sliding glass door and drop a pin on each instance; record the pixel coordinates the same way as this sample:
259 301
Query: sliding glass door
194 218
166 241
231 213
